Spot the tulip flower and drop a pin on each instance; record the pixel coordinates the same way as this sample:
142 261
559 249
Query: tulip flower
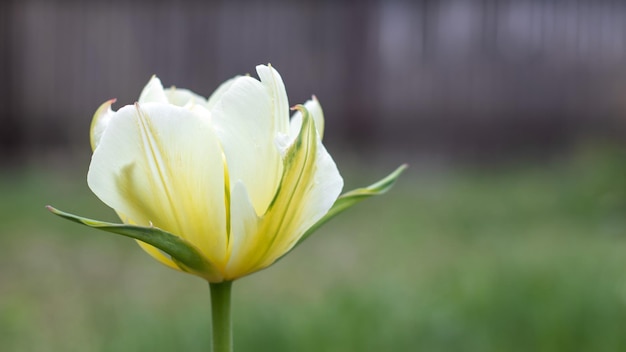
219 187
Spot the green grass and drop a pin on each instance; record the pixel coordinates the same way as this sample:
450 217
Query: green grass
529 256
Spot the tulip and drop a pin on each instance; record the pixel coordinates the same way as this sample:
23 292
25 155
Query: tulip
219 187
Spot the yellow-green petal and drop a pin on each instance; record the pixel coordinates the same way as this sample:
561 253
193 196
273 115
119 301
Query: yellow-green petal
99 122
160 172
309 186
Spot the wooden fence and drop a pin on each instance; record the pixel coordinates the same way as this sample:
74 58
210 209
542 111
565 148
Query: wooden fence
445 74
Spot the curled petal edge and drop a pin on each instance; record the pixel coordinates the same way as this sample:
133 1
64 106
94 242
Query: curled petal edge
99 121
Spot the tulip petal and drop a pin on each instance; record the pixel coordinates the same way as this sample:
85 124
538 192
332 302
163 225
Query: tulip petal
158 171
186 256
244 230
153 92
99 122
183 97
243 122
273 82
310 185
217 95
315 109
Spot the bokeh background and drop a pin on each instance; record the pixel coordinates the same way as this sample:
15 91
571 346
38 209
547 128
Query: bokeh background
507 233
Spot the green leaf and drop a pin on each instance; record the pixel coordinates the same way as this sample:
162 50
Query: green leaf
183 253
355 196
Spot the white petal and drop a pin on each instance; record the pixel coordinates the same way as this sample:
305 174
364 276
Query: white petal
276 88
217 95
183 97
243 239
243 121
153 92
315 109
162 165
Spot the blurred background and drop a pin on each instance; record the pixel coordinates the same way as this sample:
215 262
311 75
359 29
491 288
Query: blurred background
506 234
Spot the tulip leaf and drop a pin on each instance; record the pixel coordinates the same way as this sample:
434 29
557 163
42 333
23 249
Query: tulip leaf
353 197
183 253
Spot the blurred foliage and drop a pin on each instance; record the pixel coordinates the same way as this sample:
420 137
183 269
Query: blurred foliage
529 256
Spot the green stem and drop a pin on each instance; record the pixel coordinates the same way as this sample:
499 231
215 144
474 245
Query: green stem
222 336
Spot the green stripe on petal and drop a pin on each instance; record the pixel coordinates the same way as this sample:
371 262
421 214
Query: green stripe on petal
299 162
309 186
183 253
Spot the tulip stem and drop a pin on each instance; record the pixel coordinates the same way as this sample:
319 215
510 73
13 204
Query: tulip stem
222 336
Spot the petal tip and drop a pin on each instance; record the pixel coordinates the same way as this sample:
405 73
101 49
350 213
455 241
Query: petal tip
298 107
99 121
